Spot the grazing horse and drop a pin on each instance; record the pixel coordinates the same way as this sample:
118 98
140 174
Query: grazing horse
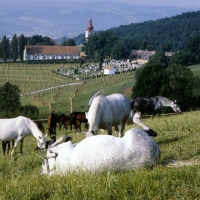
153 105
52 121
77 118
19 127
139 106
66 121
108 111
7 143
59 118
102 153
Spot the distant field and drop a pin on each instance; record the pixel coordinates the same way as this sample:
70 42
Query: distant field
33 77
195 69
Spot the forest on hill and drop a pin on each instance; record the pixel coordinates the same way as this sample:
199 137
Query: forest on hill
171 33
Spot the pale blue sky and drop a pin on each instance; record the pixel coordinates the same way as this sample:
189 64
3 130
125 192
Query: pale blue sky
177 3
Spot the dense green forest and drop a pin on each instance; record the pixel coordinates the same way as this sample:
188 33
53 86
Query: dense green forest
170 33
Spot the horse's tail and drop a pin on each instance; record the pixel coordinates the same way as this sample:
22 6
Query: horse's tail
93 96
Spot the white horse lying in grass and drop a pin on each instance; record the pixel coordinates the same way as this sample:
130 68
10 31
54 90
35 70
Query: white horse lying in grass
108 111
103 152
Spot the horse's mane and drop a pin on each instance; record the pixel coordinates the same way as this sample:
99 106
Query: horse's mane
32 126
164 99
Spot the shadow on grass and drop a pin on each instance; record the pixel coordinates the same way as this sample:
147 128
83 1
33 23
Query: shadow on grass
171 140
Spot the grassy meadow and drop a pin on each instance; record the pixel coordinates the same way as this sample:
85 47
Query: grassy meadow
33 77
178 139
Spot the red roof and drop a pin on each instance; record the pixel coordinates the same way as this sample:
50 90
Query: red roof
52 50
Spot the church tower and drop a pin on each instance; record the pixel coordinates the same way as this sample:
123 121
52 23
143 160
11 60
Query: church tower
90 30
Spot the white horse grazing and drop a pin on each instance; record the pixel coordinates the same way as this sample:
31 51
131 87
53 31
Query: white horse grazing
19 127
103 152
108 111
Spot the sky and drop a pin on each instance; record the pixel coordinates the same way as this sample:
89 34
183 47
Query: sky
177 3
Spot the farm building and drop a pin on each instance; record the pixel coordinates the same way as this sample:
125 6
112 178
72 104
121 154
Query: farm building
142 57
109 70
51 53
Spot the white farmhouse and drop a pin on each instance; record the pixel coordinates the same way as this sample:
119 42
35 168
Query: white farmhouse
109 70
51 53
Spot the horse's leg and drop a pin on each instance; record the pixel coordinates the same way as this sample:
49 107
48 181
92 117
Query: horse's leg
21 145
15 145
80 127
4 147
8 149
109 130
13 142
122 127
116 129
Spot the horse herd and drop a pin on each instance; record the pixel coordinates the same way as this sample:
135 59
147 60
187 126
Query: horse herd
96 152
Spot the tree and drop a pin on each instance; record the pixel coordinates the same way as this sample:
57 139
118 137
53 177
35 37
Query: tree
22 43
5 48
29 110
167 47
174 82
150 81
159 57
182 58
100 44
118 51
193 46
14 47
180 85
69 42
9 98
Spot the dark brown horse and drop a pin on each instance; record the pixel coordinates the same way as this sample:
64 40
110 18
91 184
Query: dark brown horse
7 143
78 118
66 121
52 121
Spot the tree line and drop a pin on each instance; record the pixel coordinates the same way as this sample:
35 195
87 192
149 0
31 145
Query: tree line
168 34
106 44
15 48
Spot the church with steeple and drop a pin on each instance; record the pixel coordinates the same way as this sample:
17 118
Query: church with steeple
90 30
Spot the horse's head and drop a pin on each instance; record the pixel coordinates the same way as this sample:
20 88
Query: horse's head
151 132
176 108
49 163
42 142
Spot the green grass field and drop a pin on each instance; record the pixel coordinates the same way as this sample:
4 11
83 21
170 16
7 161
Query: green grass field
178 139
195 69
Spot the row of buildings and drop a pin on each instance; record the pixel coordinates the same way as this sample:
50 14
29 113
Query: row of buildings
56 52
32 53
